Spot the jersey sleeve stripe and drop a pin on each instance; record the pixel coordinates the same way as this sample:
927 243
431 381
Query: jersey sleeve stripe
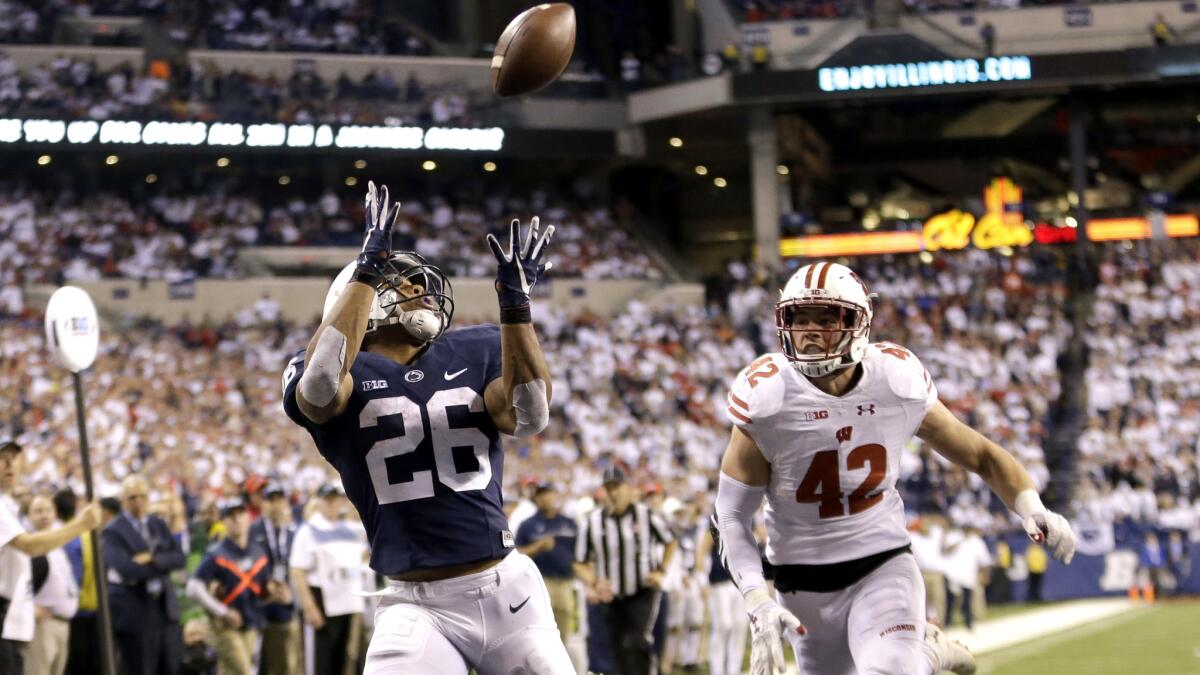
823 275
734 411
739 402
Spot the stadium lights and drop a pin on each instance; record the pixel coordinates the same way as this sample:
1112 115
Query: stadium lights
675 142
926 257
111 160
151 178
284 180
782 170
222 162
701 170
271 135
489 166
351 181
360 164
1071 222
719 182
429 165
43 160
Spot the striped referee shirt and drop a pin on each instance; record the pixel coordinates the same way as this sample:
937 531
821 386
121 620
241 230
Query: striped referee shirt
625 548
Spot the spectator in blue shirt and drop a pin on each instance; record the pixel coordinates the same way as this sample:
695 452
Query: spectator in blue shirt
549 538
233 582
1152 564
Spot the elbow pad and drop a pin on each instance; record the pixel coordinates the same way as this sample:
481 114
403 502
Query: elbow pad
531 407
736 506
323 375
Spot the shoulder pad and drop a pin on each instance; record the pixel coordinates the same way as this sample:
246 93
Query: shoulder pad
757 391
906 375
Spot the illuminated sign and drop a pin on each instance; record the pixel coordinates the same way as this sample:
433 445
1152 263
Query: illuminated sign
1045 233
878 243
925 73
1002 225
861 243
1112 229
224 134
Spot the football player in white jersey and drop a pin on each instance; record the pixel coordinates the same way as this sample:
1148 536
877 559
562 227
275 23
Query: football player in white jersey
819 429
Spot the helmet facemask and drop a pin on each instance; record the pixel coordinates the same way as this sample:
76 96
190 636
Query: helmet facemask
415 295
821 335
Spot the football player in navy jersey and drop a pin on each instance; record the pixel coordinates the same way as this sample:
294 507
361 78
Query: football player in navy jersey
410 414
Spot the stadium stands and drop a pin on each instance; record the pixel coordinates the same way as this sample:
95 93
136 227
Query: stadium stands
175 236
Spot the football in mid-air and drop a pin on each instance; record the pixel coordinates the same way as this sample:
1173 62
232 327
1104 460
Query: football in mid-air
534 49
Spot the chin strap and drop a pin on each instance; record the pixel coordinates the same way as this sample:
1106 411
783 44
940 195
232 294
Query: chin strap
422 324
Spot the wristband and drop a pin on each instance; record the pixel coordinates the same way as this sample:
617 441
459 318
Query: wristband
516 315
1028 503
369 270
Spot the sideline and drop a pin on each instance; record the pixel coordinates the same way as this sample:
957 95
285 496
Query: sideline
990 636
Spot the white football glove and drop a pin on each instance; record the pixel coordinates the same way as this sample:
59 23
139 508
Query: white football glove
1046 527
1054 532
769 624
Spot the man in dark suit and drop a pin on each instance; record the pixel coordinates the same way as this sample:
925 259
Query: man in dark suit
141 553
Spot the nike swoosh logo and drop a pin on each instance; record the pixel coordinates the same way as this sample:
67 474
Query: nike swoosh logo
451 376
517 608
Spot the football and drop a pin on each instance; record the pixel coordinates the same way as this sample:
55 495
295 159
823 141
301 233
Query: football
534 49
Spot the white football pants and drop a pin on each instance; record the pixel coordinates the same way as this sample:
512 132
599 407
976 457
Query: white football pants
498 621
873 627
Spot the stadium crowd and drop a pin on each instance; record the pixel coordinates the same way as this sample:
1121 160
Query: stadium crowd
346 26
62 238
75 88
195 408
1138 454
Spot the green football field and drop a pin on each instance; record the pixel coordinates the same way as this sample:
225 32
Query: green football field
1163 639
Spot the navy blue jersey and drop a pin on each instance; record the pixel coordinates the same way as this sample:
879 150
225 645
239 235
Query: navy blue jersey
557 562
243 574
419 456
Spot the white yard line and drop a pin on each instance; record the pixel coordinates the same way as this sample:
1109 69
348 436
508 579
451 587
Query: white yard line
1044 626
990 636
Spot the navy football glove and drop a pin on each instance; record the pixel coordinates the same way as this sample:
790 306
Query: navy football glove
519 268
377 247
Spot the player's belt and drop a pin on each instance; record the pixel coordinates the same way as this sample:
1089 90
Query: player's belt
832 577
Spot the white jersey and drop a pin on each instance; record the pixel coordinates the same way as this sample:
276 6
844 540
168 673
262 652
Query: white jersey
834 459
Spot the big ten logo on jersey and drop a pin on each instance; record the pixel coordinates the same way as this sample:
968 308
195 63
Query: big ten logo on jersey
813 415
762 368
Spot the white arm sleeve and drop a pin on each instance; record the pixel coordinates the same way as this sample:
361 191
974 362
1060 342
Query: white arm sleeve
736 506
198 591
531 408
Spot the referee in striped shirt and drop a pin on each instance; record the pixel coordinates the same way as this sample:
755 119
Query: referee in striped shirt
616 557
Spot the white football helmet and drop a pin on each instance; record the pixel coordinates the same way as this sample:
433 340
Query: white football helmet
425 323
824 347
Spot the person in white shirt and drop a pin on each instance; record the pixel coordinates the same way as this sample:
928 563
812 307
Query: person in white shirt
966 557
55 601
328 560
17 616
927 540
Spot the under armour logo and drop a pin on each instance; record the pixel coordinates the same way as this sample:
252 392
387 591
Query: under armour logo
868 409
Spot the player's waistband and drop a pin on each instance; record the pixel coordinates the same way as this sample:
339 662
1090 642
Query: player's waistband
831 577
428 590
